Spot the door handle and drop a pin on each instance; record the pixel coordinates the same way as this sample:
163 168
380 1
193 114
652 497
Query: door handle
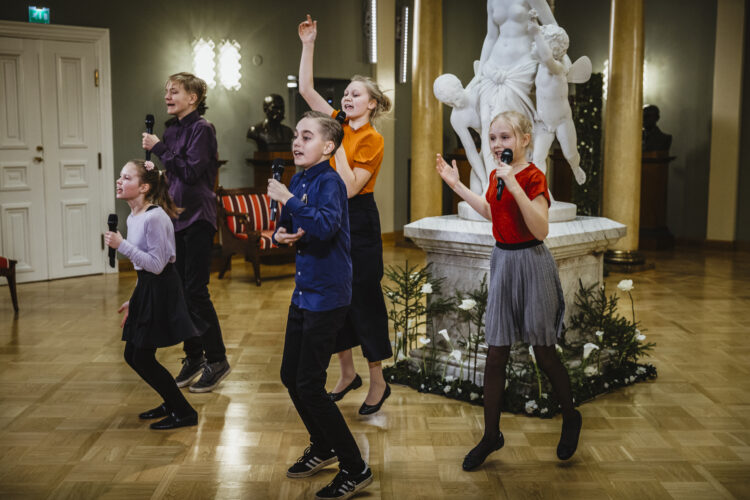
40 148
38 159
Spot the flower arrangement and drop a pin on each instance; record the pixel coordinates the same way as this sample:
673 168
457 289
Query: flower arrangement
600 349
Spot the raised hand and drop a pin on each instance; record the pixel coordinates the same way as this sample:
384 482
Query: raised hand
447 172
308 30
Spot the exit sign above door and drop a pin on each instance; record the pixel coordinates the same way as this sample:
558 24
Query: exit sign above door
39 15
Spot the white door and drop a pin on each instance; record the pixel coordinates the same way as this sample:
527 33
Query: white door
23 233
70 128
50 177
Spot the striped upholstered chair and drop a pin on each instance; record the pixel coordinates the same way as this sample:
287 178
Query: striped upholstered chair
8 269
246 227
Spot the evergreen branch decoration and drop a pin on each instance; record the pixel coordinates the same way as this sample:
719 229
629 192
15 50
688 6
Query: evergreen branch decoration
587 115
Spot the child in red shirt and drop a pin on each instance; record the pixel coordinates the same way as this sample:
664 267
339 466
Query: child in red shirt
525 300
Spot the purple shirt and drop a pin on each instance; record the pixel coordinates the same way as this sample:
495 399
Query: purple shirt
150 245
189 154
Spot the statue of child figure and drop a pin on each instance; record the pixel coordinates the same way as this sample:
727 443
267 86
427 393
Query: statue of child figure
554 116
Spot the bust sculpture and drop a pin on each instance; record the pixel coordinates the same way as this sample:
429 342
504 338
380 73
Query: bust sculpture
271 134
653 139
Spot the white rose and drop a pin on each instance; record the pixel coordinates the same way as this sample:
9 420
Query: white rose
543 411
625 285
447 389
640 370
590 371
531 406
427 288
456 354
588 349
467 304
641 338
449 378
473 396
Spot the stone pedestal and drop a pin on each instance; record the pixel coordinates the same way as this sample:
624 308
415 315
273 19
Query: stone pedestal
459 251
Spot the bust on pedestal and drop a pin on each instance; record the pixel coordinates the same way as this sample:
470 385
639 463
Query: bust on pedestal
274 140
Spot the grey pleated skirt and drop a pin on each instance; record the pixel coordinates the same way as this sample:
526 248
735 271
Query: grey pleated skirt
525 300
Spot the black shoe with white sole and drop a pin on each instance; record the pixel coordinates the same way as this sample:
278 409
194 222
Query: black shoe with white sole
344 485
311 462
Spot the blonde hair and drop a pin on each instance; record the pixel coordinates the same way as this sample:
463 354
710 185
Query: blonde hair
383 102
192 85
158 192
519 123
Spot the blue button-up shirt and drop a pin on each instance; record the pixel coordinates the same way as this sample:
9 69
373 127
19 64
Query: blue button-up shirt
188 153
319 206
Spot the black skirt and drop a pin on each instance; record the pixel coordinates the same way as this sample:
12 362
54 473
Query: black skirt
158 315
367 321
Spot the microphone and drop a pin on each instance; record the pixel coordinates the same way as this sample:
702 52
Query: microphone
149 130
112 223
276 169
506 157
340 117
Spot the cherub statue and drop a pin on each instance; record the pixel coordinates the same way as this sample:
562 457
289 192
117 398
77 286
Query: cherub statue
448 90
554 116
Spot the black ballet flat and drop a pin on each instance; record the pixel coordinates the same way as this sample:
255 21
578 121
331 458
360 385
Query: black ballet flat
366 409
354 384
571 430
474 459
173 421
158 412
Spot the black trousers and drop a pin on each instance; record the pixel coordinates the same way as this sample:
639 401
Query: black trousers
193 264
308 346
143 361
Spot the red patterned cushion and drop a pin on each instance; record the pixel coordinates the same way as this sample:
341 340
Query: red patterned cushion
258 210
4 264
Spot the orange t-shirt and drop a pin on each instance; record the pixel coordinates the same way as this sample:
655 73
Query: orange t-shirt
364 148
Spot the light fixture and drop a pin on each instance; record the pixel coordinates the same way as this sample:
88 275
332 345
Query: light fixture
203 61
229 65
404 52
291 81
371 30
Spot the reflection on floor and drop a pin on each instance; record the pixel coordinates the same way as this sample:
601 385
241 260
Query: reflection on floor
69 404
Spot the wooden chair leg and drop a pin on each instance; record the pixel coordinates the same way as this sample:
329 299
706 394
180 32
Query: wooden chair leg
256 269
12 286
226 266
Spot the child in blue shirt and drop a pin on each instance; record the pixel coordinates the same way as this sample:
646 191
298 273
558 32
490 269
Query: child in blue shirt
315 218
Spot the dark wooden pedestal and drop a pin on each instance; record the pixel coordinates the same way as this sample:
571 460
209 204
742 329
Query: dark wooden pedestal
261 162
654 234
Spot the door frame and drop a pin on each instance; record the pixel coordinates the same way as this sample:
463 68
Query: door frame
100 38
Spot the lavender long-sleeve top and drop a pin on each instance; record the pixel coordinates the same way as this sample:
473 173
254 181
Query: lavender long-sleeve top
188 152
150 245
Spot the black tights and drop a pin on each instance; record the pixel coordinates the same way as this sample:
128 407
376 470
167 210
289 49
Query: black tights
143 361
494 384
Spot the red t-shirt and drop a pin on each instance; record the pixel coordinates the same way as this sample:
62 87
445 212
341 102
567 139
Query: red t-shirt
508 225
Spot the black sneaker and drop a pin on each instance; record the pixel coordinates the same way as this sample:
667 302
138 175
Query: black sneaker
191 368
311 462
345 485
213 373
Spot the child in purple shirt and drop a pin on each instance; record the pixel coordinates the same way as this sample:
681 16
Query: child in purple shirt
156 314
189 155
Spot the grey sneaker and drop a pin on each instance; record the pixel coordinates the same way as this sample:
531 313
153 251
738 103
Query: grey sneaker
191 368
213 373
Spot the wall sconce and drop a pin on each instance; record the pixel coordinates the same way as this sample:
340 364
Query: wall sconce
203 61
291 82
403 33
371 30
229 65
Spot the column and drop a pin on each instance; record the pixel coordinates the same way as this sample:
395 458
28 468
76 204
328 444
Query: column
623 125
385 74
426 110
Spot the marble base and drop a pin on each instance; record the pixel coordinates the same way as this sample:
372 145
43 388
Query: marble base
560 211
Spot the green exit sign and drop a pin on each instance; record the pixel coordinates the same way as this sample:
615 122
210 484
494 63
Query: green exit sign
39 15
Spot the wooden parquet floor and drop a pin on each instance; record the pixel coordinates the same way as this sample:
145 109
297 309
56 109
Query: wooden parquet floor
69 404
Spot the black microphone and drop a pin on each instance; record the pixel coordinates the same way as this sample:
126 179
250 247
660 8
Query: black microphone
112 223
506 157
149 130
276 170
340 117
